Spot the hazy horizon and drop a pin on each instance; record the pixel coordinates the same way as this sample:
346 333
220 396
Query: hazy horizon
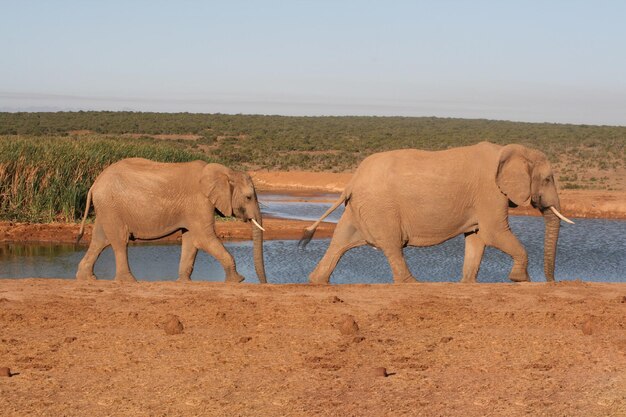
562 62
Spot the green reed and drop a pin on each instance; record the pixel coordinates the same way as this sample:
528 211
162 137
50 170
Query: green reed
46 178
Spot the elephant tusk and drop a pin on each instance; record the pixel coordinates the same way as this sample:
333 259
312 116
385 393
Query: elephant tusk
257 225
560 216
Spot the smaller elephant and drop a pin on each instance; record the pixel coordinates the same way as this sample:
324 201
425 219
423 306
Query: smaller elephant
410 197
139 199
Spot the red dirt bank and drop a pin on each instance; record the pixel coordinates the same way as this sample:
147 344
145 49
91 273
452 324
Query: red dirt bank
230 230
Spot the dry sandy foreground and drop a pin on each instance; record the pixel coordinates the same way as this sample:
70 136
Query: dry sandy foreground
289 350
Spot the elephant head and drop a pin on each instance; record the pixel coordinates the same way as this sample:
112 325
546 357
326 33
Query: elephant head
233 194
524 175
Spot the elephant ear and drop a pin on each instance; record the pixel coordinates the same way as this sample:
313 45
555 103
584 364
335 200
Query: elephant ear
513 175
216 186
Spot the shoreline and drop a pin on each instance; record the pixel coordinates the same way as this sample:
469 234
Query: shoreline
14 232
307 186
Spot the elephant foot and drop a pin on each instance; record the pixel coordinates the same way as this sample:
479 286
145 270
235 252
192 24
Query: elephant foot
409 279
234 278
183 279
313 280
86 277
125 278
318 282
519 275
469 277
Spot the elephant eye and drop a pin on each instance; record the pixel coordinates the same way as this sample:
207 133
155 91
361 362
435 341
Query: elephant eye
248 197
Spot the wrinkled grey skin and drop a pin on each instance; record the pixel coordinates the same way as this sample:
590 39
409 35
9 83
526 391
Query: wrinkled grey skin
420 198
140 199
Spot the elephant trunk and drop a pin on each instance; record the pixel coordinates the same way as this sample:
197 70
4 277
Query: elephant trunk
257 242
553 225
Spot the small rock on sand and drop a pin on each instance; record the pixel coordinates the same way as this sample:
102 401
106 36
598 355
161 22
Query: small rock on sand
348 326
380 371
173 325
4 371
587 327
69 339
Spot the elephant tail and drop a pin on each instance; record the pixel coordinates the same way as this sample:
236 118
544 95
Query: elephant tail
82 225
310 231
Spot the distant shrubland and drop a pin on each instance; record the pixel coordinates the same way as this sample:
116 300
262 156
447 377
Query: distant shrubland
55 148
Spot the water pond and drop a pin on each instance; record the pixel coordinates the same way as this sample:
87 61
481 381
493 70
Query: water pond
591 250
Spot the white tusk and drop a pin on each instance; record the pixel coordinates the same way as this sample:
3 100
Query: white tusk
257 225
560 216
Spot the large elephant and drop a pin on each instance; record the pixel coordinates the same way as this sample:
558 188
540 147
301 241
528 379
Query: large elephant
420 198
140 199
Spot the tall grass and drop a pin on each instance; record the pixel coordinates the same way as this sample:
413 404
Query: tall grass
47 178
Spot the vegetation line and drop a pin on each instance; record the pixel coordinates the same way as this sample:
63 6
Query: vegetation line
49 160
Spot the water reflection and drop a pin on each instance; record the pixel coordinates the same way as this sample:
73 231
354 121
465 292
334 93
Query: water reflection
50 250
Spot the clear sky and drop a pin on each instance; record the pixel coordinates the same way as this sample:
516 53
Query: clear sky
551 60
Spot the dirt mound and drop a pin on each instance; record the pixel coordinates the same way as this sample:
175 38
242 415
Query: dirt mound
380 371
347 325
173 325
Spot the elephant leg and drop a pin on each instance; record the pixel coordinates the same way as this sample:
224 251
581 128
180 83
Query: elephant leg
214 247
474 249
98 242
118 236
399 268
508 243
345 237
187 257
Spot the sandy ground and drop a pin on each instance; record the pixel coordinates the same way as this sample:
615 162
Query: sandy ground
293 350
289 350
